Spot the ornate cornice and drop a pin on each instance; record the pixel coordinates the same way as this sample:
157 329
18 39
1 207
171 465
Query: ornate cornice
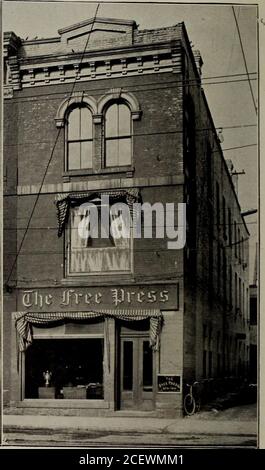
114 63
107 53
14 73
68 69
11 43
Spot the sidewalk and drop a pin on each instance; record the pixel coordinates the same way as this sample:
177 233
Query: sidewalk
239 422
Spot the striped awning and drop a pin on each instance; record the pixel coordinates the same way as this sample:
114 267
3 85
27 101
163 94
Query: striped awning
25 320
64 200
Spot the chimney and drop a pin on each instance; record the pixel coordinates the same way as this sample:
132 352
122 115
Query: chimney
198 61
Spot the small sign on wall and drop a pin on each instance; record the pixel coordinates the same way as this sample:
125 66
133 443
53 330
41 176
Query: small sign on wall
168 383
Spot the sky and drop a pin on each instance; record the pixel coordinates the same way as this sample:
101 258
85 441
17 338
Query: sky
212 30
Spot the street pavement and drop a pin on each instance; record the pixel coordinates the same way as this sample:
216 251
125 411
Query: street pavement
234 427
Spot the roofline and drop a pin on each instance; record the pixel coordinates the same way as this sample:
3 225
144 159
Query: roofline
96 20
187 42
26 42
165 45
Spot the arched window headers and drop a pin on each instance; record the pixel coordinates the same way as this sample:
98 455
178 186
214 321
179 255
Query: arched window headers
97 107
76 100
118 94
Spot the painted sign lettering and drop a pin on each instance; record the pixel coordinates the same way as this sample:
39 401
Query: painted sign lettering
62 299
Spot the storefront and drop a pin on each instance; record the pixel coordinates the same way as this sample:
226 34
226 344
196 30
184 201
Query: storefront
96 358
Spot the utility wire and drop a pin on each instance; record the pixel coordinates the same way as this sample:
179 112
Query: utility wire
57 136
242 126
239 147
233 42
9 229
175 84
235 127
49 161
135 250
244 58
136 135
222 82
196 81
33 208
165 85
73 191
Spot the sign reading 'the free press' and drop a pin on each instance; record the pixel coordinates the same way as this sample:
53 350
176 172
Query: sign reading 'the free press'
60 299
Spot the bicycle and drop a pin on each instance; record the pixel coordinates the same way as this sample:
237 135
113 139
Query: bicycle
192 400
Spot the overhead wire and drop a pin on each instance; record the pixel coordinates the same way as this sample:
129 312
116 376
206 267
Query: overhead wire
240 126
235 148
48 163
244 59
182 83
174 83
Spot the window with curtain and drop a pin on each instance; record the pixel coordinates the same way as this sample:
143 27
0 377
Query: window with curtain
79 139
118 135
98 244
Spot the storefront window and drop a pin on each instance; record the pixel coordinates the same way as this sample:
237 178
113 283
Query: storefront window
64 369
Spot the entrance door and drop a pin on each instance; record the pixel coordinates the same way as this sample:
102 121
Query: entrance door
136 374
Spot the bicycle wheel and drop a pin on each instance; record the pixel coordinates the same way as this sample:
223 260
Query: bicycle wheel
189 405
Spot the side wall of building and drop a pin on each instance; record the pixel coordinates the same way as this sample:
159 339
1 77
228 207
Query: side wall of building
217 315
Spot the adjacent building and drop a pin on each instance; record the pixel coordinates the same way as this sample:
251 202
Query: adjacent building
95 325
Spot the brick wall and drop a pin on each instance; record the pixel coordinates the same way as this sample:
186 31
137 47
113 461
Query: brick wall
209 307
155 154
157 141
147 36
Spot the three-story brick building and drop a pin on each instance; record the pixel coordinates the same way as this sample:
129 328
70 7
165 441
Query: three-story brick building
94 325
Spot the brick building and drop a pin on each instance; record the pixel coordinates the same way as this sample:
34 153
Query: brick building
106 109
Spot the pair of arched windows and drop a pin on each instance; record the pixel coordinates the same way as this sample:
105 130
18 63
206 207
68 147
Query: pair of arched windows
116 131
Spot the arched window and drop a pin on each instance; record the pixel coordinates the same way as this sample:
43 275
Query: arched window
118 135
79 138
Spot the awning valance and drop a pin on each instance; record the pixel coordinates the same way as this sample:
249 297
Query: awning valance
64 200
25 320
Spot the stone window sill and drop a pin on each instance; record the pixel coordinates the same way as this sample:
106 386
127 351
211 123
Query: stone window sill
127 170
99 280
